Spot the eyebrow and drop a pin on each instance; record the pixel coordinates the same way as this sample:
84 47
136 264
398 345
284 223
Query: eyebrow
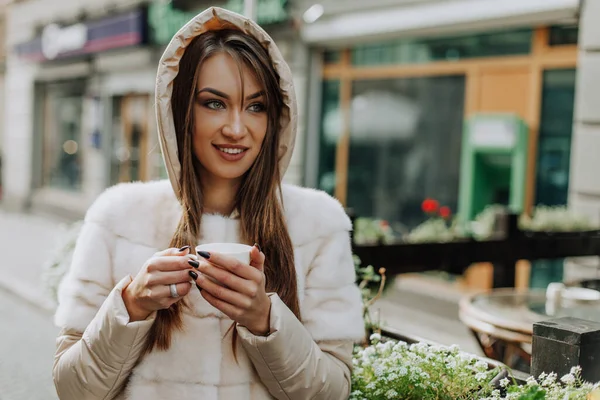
225 96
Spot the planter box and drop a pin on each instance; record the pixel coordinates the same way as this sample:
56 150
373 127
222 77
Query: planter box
520 377
455 257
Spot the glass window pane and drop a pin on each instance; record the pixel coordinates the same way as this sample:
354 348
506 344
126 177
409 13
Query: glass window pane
63 139
418 51
405 146
554 146
563 35
332 56
331 129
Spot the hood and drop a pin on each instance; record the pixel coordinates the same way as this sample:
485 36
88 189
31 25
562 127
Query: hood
212 19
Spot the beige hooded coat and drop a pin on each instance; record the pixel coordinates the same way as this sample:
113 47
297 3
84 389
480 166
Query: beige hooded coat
98 352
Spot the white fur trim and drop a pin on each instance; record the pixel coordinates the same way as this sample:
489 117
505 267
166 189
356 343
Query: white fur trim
144 213
312 214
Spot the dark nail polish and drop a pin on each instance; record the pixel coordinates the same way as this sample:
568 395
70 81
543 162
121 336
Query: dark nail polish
184 248
193 274
193 263
258 247
199 288
204 254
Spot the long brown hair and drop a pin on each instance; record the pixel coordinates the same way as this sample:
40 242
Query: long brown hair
258 199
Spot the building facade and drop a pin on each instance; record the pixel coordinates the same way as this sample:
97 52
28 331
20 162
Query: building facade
3 6
397 82
81 82
397 86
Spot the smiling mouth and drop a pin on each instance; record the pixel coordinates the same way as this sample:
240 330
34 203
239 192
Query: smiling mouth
231 150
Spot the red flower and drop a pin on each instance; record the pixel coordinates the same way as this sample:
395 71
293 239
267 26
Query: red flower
445 212
430 206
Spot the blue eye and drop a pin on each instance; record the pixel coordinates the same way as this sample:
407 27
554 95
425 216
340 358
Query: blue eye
214 105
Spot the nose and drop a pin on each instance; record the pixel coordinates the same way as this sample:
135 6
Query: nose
235 128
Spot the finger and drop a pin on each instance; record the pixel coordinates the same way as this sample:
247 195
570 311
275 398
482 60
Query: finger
228 309
183 288
228 279
232 265
257 258
224 294
170 263
173 251
168 277
163 292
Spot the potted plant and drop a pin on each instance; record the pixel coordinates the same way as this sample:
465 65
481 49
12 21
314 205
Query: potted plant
437 228
395 370
389 369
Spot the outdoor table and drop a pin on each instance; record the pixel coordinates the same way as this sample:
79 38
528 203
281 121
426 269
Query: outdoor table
502 321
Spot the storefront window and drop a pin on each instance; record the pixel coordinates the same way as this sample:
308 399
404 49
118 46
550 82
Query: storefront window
420 51
130 153
563 35
331 128
63 137
332 56
405 145
554 146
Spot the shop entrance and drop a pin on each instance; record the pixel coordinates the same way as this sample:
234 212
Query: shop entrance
130 138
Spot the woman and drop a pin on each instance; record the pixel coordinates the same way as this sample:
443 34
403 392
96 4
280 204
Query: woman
282 327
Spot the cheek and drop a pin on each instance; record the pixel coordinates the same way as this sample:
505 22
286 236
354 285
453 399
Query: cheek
204 130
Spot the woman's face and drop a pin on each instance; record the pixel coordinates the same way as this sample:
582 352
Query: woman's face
229 130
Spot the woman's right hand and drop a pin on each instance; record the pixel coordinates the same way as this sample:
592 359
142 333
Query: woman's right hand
149 291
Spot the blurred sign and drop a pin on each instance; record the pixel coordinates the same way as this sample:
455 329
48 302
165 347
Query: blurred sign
164 21
498 133
86 38
56 40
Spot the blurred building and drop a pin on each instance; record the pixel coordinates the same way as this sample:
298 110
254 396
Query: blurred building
397 80
3 5
80 90
386 89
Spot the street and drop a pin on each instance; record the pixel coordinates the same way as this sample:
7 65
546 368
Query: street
27 337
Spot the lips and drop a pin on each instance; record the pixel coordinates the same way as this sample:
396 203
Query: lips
231 152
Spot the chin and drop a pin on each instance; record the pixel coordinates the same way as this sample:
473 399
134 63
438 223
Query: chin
230 173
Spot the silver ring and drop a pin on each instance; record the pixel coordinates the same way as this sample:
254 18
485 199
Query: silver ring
173 288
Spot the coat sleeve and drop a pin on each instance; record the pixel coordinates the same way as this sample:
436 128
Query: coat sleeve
312 359
98 346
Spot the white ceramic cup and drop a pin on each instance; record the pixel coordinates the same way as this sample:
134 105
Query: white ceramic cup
240 252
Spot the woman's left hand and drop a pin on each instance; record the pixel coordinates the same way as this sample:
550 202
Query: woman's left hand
240 292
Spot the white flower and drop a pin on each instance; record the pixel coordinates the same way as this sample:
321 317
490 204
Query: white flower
376 337
550 379
531 381
576 370
568 379
481 365
543 376
391 394
480 376
504 382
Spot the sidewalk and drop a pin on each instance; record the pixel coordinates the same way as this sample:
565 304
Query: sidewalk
26 243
